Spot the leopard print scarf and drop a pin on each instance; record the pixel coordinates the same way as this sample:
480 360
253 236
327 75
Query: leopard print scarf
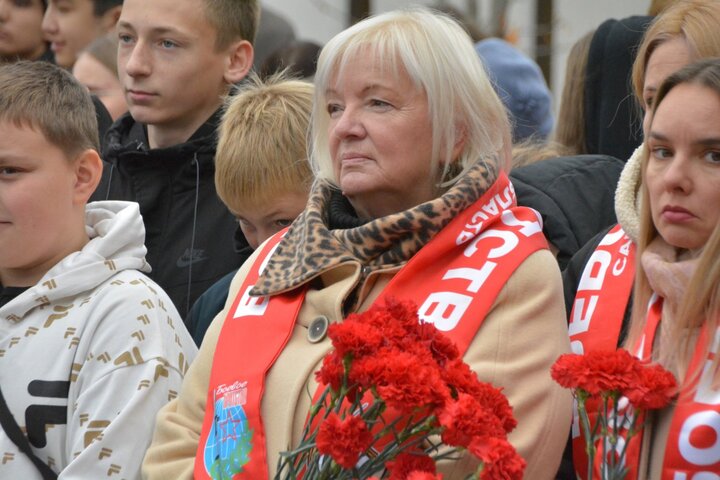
311 247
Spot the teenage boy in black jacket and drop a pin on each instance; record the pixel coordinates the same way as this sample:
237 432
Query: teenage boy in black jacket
176 62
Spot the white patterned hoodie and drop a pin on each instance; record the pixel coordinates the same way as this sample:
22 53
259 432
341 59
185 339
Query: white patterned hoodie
89 354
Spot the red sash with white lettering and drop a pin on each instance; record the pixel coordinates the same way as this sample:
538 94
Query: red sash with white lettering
480 249
597 315
692 448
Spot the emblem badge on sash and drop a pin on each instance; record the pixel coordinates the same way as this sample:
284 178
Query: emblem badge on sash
230 440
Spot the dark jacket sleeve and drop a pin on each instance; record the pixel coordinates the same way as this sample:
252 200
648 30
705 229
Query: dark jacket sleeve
575 196
207 306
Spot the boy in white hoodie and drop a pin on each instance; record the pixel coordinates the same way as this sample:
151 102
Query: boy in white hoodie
90 348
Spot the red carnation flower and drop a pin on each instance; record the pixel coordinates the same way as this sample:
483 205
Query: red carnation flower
406 382
415 475
655 388
425 337
344 440
331 372
461 379
395 320
500 460
355 337
416 377
403 313
465 419
364 371
407 463
597 371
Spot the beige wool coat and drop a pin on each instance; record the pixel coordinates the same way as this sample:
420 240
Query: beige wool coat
521 337
519 340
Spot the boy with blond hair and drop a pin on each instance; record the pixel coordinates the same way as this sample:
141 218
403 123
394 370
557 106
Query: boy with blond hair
90 348
261 171
177 59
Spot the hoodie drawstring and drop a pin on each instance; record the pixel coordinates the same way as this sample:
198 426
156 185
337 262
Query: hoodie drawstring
194 225
107 193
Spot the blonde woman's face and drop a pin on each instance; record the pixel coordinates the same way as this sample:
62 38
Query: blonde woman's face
668 58
380 138
683 171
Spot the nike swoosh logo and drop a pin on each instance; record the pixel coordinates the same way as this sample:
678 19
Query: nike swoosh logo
187 260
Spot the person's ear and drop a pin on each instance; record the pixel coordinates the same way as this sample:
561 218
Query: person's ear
88 171
239 61
460 141
109 19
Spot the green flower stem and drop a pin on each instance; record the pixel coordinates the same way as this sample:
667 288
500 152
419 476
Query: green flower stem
632 430
604 429
585 424
613 440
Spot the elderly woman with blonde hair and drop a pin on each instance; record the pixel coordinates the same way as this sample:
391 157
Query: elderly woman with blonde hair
410 147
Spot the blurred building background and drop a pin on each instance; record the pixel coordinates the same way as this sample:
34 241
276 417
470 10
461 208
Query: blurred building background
544 29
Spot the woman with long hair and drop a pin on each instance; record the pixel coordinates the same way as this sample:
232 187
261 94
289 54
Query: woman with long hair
677 289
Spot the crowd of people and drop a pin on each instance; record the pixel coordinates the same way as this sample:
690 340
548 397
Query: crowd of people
190 196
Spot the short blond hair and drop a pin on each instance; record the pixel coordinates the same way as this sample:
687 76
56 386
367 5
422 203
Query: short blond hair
262 145
44 97
233 20
440 59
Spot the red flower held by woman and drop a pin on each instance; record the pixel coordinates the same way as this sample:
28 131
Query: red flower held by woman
599 380
646 386
461 379
415 475
405 384
406 464
466 419
400 383
597 371
500 460
344 440
331 372
654 389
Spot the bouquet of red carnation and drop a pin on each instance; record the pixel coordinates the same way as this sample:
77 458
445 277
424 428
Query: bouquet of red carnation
623 387
398 398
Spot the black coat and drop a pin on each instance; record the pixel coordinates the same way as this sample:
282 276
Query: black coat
189 232
213 300
613 122
574 195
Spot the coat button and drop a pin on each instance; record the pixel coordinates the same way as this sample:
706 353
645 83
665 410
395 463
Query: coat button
318 329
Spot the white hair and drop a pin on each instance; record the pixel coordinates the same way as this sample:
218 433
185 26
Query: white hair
440 60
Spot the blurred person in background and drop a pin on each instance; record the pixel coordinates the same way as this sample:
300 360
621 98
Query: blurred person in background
71 25
96 68
21 36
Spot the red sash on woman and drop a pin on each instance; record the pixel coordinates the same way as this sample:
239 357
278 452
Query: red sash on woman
597 315
692 448
480 249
